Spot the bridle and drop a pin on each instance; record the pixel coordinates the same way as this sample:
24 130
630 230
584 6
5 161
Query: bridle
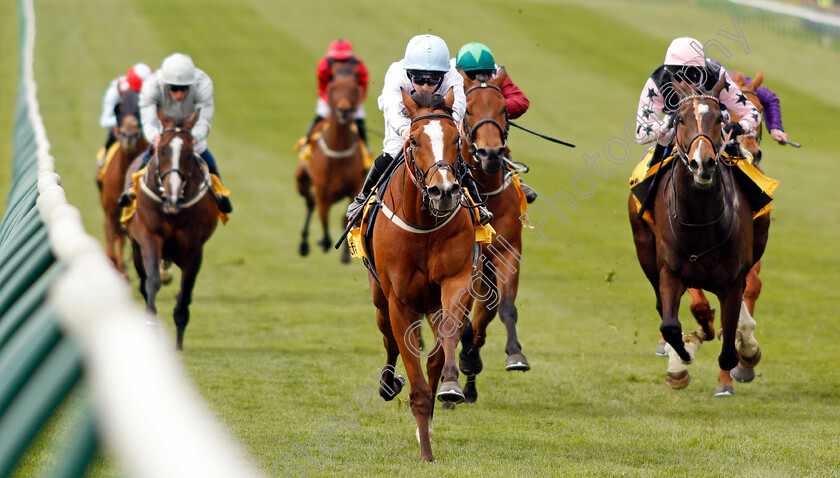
158 195
682 152
469 130
418 176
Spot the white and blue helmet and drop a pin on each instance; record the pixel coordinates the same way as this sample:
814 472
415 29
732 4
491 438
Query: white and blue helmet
427 53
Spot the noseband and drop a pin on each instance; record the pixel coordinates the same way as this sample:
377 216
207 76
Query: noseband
418 176
469 130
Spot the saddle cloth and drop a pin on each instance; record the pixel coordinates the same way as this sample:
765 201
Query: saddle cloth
304 149
759 188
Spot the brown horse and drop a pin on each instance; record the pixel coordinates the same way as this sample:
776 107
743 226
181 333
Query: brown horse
132 144
484 143
423 249
175 215
704 236
336 170
700 307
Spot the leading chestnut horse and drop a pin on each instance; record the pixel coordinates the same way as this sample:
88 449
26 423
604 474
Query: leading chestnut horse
132 143
484 145
423 248
704 237
175 215
700 308
336 170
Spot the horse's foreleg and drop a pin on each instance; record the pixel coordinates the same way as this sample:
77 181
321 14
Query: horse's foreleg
507 283
671 289
189 272
150 249
730 304
304 186
448 325
323 214
702 312
474 334
137 256
753 288
749 353
402 319
121 264
111 241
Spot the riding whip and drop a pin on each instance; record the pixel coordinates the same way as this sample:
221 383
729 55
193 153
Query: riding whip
795 145
553 140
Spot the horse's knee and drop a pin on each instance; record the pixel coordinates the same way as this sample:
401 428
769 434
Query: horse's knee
421 400
727 360
508 312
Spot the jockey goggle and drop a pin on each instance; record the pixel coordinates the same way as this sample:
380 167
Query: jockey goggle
425 77
693 75
177 88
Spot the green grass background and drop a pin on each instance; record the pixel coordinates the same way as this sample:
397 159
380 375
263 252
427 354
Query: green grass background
278 344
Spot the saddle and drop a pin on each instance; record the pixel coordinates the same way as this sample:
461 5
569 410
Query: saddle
304 147
758 187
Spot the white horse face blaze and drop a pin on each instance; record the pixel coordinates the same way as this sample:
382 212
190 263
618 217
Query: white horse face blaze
175 179
435 133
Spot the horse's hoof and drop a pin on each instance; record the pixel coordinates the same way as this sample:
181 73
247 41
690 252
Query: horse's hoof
469 365
165 276
750 362
470 392
399 381
450 392
678 380
725 390
517 362
325 244
660 350
345 258
742 374
303 249
448 405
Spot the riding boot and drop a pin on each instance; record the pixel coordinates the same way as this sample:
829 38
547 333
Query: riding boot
530 194
360 127
380 165
484 215
128 195
222 200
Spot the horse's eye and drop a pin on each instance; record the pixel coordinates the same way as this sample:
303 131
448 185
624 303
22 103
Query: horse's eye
412 141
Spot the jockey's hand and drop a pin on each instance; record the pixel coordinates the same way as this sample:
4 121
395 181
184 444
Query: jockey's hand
779 135
664 131
732 130
406 133
157 142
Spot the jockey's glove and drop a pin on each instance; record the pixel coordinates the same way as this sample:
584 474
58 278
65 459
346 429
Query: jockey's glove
732 130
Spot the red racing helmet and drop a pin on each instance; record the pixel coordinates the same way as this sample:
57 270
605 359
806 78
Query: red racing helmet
136 74
340 49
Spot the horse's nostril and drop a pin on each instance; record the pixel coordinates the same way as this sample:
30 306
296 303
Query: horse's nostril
434 192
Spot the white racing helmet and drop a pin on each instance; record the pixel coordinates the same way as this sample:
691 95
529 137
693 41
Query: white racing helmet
178 69
427 53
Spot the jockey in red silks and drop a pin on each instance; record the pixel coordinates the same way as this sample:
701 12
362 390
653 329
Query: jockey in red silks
339 54
685 61
478 63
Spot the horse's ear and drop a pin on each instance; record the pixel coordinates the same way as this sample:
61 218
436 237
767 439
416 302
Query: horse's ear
681 88
738 78
719 86
410 105
501 75
756 82
191 120
450 98
467 81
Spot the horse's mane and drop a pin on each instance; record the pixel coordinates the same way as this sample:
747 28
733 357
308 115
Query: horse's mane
346 69
431 100
128 105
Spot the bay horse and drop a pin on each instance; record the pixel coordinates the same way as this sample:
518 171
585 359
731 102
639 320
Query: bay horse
336 170
175 215
700 307
484 135
423 248
132 143
704 236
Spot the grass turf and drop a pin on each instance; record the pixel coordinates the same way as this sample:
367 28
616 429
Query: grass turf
279 345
